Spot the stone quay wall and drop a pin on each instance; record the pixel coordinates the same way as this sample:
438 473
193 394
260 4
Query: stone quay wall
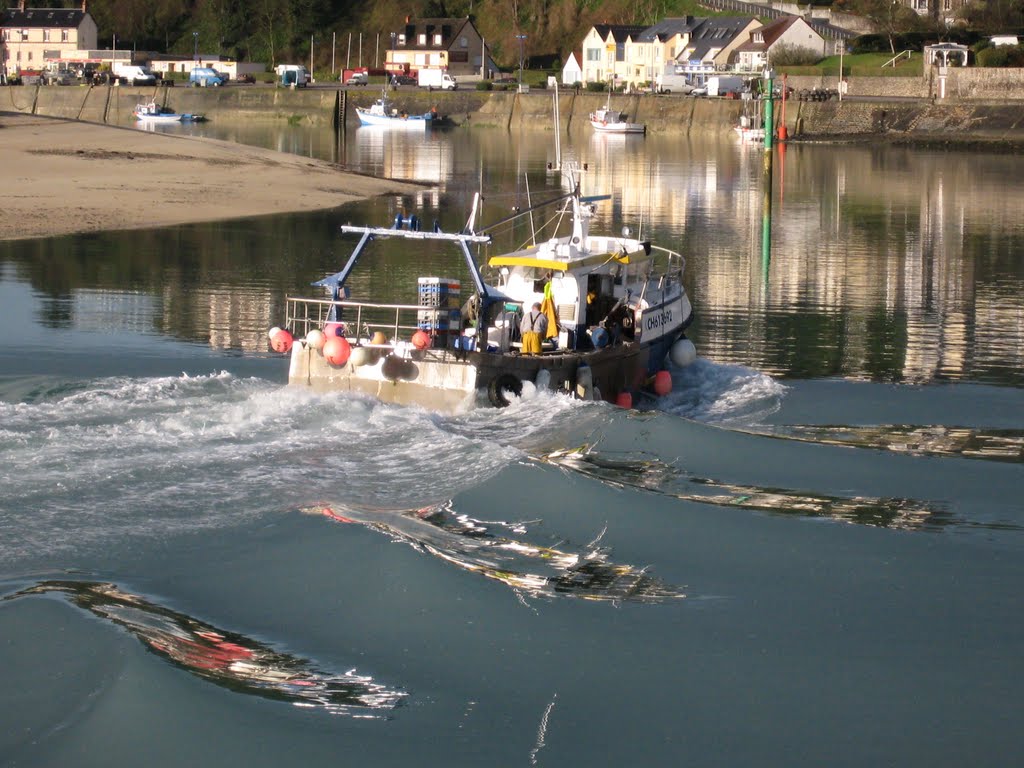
904 111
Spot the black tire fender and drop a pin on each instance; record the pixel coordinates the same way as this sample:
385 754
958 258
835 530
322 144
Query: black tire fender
501 385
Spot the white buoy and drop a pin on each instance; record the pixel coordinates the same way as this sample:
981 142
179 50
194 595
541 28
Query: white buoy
361 356
272 331
584 383
315 338
543 380
683 353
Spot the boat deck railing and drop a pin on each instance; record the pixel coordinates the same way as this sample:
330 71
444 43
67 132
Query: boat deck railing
362 319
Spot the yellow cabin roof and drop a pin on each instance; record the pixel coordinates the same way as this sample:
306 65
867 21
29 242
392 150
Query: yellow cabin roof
557 264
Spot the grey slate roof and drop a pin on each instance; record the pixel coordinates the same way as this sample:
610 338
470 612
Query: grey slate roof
716 33
36 18
666 28
620 31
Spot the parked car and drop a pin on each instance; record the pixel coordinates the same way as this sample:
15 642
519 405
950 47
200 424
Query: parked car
397 80
206 76
358 78
58 77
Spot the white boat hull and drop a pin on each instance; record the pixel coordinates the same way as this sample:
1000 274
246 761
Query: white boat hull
410 122
602 127
754 135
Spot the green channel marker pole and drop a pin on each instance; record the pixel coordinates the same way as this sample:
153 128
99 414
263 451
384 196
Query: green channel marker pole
769 129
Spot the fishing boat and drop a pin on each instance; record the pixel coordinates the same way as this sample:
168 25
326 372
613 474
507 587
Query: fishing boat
382 113
751 123
616 309
151 112
608 120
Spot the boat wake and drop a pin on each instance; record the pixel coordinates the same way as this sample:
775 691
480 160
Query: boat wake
94 464
726 395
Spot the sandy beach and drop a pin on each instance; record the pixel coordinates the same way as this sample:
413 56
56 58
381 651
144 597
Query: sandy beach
62 177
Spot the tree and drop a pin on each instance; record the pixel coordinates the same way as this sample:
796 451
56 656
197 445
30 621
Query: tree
890 17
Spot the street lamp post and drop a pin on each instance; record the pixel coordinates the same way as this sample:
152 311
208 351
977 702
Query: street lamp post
195 49
520 38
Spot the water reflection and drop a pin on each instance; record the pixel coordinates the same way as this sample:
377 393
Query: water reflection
229 659
1004 445
531 570
888 264
651 474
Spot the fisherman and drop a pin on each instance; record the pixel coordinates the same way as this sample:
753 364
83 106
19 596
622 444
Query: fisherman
533 328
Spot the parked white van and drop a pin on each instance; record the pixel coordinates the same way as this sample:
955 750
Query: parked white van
134 74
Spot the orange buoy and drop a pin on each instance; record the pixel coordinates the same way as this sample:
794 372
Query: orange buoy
662 383
281 341
337 350
420 340
624 400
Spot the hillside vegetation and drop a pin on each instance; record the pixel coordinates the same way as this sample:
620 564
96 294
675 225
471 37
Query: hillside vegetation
275 31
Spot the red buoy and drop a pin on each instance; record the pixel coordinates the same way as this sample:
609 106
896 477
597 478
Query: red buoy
624 400
337 350
421 340
662 383
281 341
334 329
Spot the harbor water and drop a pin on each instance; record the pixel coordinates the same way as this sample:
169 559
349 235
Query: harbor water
809 553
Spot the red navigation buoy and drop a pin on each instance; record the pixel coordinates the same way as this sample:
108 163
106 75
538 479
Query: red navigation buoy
337 350
662 383
281 341
624 400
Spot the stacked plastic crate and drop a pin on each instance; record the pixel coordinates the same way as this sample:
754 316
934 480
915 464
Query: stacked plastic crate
439 314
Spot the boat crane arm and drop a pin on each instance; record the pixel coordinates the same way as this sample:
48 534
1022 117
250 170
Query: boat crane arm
337 280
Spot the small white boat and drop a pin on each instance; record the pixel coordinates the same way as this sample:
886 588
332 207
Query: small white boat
751 125
383 114
749 132
616 307
607 120
151 112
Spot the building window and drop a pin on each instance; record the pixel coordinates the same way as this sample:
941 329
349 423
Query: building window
422 39
464 42
24 35
64 35
46 35
594 54
437 39
29 56
620 52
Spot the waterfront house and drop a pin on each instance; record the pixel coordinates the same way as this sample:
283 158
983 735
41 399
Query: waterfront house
605 53
714 43
786 32
656 47
454 45
572 72
29 37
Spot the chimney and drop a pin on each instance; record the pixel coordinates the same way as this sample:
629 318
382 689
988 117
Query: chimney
84 2
21 5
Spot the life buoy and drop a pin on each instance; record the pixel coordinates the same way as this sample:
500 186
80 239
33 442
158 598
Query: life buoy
500 386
